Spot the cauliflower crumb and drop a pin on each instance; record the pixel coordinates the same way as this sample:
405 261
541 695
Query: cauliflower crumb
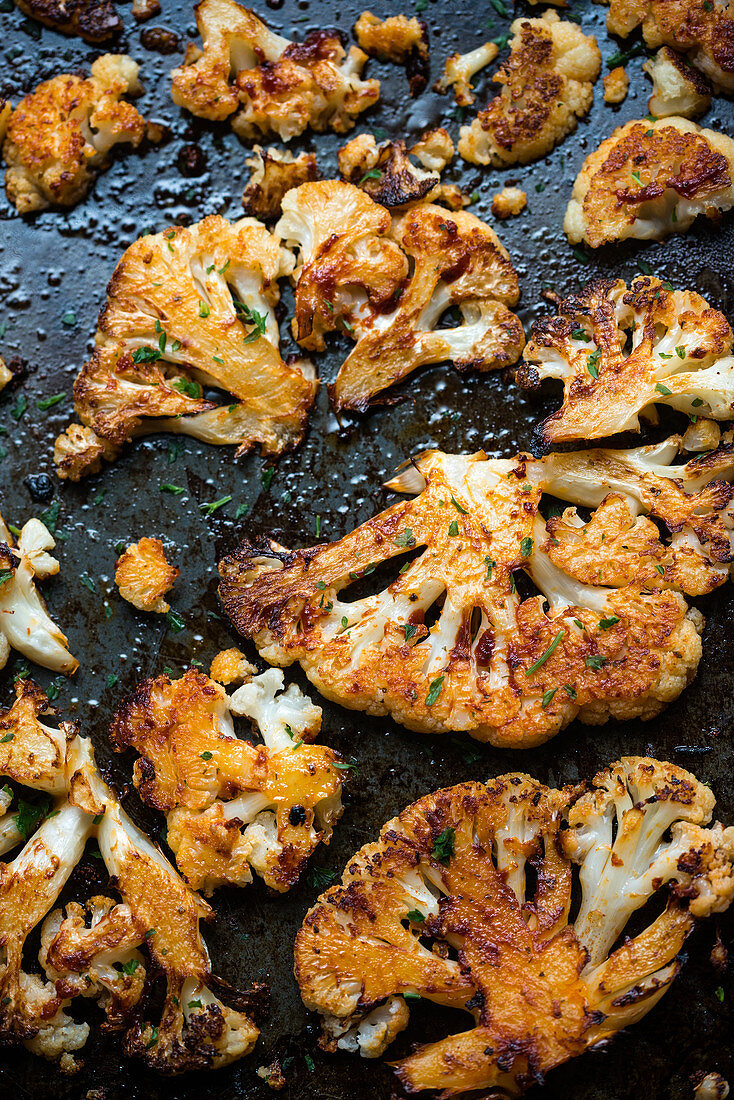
231 667
397 39
616 85
461 67
509 201
144 576
272 1075
677 88
274 173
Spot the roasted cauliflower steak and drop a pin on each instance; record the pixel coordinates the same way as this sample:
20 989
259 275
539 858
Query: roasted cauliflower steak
387 282
92 20
188 308
60 135
233 806
650 179
619 351
111 949
547 84
450 644
465 899
265 84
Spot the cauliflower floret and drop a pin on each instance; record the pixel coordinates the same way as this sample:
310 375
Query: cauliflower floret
509 202
461 67
398 39
92 20
434 150
144 576
60 134
233 805
425 259
619 351
650 179
385 172
547 84
609 636
231 667
274 173
616 86
189 308
267 84
79 451
31 752
677 88
541 990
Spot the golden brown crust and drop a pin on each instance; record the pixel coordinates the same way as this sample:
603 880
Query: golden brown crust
274 174
143 575
616 85
399 39
509 202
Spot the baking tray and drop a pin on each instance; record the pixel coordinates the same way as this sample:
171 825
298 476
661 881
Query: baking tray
53 273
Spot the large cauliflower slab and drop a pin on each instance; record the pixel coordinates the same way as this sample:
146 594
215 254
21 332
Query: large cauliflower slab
189 308
464 900
650 179
451 644
266 84
620 350
232 805
92 20
547 84
107 948
387 282
60 135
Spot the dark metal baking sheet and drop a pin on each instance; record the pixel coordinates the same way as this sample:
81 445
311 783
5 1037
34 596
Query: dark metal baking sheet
53 272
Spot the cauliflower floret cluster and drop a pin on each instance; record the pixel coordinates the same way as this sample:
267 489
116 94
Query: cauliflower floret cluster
619 351
399 39
388 175
60 135
451 644
677 88
547 84
188 308
464 901
233 806
143 575
459 69
103 948
265 84
650 179
92 20
275 172
387 282
24 621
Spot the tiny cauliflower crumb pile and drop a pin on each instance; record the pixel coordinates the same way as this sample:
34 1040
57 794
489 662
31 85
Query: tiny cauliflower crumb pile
449 643
465 901
233 806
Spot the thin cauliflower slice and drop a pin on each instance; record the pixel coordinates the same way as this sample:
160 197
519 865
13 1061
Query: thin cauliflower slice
265 84
677 88
511 671
60 135
388 282
143 575
274 173
233 806
547 84
399 39
103 949
619 351
465 900
92 20
187 308
459 70
650 179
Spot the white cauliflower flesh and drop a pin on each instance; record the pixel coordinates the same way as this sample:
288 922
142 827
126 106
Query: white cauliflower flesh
547 84
265 84
25 624
619 351
459 70
677 88
233 806
610 634
650 179
484 873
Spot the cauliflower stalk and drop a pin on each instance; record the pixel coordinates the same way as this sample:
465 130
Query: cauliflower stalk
450 644
464 901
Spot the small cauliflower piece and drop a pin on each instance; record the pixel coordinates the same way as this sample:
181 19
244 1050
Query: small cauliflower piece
677 88
616 86
509 202
265 84
712 1086
650 179
434 150
385 172
92 20
460 68
619 351
464 901
60 135
143 575
274 173
547 84
231 667
399 39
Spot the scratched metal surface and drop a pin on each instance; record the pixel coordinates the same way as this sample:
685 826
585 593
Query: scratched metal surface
53 271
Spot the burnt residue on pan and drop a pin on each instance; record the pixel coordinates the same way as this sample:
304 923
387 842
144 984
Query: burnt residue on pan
53 272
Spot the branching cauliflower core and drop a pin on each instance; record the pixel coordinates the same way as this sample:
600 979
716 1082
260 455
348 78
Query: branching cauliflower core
231 805
677 89
388 281
60 134
398 39
189 308
547 84
451 645
650 179
448 880
266 84
618 351
103 948
143 575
